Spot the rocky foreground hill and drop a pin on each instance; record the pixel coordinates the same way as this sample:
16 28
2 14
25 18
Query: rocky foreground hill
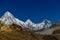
15 32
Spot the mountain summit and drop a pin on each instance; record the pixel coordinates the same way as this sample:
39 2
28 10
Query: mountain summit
9 19
37 26
8 14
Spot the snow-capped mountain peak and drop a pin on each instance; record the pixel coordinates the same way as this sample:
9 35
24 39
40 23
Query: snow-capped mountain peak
28 24
46 23
7 15
28 21
9 19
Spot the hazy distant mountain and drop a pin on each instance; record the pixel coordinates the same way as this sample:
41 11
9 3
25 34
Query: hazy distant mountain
58 23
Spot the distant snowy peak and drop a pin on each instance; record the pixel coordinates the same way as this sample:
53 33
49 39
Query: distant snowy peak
46 23
9 19
8 14
37 26
28 22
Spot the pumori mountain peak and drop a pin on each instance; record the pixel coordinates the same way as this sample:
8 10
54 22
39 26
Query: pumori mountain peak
8 18
8 14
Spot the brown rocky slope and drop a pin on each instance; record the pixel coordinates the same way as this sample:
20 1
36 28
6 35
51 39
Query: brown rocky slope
15 32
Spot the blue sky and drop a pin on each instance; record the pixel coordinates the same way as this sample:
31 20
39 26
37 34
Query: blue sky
36 10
